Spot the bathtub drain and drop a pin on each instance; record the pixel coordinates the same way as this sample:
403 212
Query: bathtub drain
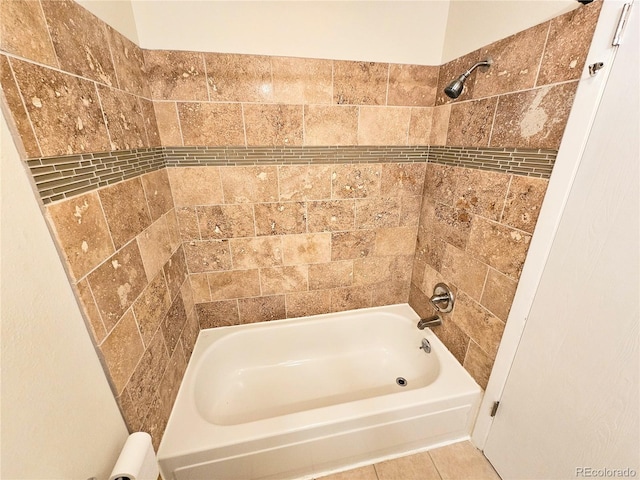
401 381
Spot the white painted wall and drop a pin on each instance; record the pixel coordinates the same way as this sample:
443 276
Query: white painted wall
59 417
424 32
385 31
474 23
117 13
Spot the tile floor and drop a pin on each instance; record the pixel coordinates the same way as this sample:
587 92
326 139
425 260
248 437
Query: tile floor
460 461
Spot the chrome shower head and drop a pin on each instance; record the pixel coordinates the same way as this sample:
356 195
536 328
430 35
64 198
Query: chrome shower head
454 89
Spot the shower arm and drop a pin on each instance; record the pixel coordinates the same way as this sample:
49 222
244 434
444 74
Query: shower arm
484 63
454 89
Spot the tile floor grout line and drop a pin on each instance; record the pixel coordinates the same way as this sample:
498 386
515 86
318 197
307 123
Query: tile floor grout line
435 465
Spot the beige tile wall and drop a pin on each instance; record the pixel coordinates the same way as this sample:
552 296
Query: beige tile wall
524 98
475 227
125 256
258 242
72 83
288 101
285 241
94 90
474 233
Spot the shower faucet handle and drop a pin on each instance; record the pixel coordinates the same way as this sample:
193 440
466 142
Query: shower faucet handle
442 298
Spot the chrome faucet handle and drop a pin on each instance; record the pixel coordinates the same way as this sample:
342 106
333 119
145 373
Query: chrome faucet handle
442 298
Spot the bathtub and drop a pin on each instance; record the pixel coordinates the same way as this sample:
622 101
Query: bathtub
303 397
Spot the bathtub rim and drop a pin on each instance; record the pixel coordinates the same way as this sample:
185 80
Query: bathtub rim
202 436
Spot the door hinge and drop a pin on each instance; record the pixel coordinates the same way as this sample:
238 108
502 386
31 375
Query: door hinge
622 22
494 409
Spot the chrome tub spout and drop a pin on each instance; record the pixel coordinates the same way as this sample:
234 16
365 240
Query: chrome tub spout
429 322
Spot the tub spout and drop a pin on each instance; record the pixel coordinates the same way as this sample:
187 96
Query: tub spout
429 322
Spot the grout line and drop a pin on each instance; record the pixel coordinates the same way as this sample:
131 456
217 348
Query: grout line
484 284
244 124
144 264
175 105
260 284
407 143
46 26
64 72
504 321
332 82
359 107
146 202
466 352
110 48
144 121
134 369
206 77
278 196
386 98
544 49
433 462
304 130
493 122
375 470
24 106
104 115
113 244
135 320
504 202
504 225
221 186
528 89
93 297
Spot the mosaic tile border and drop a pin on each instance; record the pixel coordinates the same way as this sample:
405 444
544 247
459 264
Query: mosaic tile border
62 177
57 178
233 156
516 161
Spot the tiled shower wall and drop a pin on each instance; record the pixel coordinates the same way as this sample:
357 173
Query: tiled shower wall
272 242
74 85
127 263
474 233
257 240
288 101
475 226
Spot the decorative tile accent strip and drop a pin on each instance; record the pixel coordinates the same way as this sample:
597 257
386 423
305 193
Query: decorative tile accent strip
516 161
63 177
57 178
224 156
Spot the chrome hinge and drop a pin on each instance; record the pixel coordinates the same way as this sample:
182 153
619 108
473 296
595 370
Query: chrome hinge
494 409
622 22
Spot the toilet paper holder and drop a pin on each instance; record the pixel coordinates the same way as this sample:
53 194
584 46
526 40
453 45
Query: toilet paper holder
137 460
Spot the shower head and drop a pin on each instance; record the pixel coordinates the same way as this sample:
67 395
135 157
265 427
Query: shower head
454 89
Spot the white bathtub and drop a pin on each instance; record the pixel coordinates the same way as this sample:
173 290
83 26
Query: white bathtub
301 397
